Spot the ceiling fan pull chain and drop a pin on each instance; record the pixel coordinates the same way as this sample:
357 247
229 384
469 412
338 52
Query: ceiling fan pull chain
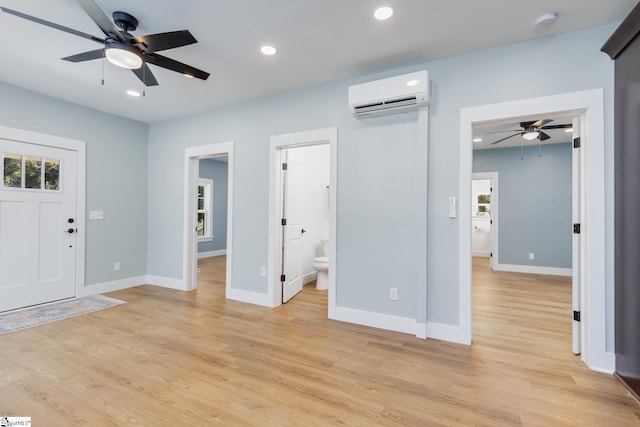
103 68
521 148
144 80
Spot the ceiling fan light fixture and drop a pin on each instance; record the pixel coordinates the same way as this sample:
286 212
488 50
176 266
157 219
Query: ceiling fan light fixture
122 55
530 135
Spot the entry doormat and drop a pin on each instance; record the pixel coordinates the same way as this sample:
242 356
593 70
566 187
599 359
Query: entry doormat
29 317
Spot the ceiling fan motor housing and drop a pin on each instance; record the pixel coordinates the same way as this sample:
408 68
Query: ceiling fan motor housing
125 21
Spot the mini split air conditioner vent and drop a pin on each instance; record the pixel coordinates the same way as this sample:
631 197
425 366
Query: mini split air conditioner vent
394 95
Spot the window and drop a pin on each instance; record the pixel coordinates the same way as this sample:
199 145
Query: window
204 220
32 173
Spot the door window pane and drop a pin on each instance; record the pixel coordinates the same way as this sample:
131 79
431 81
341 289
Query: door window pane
51 174
200 226
33 172
12 170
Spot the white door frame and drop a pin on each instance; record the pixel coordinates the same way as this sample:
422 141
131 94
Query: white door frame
192 156
79 147
277 144
495 215
589 105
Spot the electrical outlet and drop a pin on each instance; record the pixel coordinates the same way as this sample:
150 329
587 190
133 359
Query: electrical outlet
532 256
263 271
116 266
393 294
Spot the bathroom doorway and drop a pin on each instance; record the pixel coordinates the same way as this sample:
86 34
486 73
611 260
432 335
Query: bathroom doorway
302 202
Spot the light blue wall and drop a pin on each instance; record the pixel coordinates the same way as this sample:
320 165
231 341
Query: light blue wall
376 177
534 203
218 172
116 176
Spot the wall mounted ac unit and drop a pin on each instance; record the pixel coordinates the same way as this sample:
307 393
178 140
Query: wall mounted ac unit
393 95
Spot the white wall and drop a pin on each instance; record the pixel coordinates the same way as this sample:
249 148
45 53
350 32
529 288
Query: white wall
315 207
379 173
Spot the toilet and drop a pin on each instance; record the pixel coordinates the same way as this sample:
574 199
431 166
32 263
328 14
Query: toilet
321 265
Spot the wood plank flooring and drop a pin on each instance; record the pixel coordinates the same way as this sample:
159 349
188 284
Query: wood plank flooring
172 358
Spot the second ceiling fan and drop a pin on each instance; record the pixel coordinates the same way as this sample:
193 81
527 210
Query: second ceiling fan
123 49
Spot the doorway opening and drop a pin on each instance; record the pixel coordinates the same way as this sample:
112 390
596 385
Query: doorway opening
208 212
590 268
527 288
291 250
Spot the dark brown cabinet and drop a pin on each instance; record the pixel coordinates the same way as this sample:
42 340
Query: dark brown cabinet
624 48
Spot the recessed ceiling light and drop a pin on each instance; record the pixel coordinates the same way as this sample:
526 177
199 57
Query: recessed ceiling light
133 93
477 139
411 83
268 50
568 130
383 13
546 20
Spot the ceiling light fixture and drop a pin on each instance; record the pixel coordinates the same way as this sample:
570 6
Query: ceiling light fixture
568 130
268 50
133 93
383 13
189 76
530 134
477 139
122 55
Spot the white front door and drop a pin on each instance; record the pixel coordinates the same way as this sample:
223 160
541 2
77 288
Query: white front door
292 228
37 224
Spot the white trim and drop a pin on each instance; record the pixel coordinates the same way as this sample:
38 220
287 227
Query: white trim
376 320
444 332
276 145
481 254
116 285
591 105
210 254
189 250
167 282
421 330
80 148
249 297
309 277
534 269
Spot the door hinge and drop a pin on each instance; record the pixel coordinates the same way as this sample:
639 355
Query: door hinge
282 277
284 166
576 316
284 221
576 228
576 142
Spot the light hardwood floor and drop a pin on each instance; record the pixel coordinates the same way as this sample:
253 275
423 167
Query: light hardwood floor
195 359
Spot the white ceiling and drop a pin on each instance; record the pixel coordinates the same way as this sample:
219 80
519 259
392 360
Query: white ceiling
490 133
319 41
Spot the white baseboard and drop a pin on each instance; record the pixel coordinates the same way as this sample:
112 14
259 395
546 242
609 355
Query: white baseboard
376 320
210 254
483 254
532 269
249 297
167 282
421 330
117 285
449 333
610 364
309 277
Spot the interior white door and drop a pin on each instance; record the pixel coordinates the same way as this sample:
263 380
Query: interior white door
575 215
292 229
37 224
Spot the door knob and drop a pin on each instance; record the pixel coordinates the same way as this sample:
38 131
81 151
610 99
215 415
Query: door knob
71 230
70 220
304 231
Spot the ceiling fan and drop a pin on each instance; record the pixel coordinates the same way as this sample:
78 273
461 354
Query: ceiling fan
123 49
533 130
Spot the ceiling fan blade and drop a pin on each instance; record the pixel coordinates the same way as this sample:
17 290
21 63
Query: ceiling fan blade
508 130
101 20
86 56
179 67
145 75
541 123
567 126
52 25
525 125
504 139
543 136
163 41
